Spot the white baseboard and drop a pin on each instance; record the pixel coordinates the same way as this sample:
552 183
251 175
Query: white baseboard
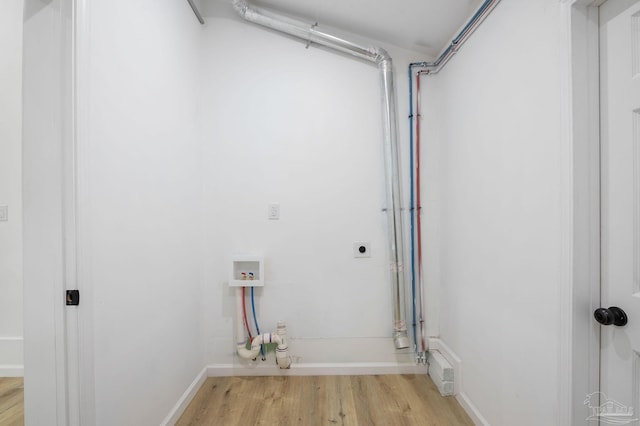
185 399
325 369
471 410
318 350
8 370
11 357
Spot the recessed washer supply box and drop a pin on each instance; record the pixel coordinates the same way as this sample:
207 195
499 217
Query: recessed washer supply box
250 266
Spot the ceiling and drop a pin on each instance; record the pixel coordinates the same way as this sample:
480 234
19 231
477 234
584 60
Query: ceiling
423 26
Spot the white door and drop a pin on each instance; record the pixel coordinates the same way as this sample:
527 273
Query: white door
620 185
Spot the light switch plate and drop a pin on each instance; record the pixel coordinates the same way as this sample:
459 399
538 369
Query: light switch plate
4 213
274 211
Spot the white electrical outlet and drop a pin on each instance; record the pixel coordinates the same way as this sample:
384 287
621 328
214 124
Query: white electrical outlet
274 211
4 213
361 249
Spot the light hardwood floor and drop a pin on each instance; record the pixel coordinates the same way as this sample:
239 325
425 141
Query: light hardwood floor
322 400
11 401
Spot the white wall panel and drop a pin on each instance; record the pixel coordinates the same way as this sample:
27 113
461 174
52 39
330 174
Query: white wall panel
498 118
142 206
11 183
301 127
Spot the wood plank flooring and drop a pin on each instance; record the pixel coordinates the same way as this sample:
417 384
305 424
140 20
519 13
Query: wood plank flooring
11 401
323 400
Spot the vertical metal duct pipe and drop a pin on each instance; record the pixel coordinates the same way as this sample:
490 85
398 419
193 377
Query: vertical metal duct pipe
381 58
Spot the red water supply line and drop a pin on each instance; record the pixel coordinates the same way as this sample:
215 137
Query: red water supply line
244 315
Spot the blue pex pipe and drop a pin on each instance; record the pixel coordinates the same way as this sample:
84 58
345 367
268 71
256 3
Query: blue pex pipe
435 66
472 21
412 207
453 46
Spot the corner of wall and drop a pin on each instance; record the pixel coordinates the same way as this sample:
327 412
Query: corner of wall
185 399
435 344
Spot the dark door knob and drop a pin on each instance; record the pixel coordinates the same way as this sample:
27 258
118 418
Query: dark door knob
613 315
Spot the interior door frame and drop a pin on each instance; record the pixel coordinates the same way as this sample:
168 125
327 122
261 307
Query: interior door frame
580 334
55 351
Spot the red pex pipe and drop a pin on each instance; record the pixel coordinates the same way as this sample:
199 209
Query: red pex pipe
244 315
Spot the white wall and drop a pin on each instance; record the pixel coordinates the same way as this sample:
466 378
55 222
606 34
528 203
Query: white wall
189 142
496 114
142 215
11 347
301 127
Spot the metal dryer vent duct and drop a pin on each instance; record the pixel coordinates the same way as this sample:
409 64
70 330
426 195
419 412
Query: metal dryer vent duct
309 33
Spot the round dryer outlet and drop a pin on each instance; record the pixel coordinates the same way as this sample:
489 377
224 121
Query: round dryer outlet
361 249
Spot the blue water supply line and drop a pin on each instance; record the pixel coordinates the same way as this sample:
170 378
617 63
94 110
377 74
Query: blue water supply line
433 67
411 211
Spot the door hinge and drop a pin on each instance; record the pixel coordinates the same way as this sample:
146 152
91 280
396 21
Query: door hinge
73 297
